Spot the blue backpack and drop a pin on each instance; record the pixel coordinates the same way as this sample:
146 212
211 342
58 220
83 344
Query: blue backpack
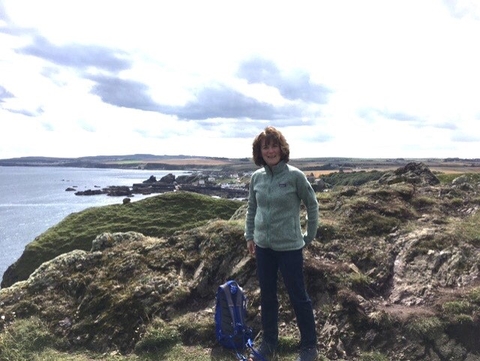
230 313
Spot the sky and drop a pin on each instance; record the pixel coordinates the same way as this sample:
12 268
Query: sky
343 78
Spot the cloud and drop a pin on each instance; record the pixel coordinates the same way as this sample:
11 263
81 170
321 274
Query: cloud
319 137
294 86
371 114
77 55
355 83
26 112
399 116
123 93
209 102
4 94
446 125
463 8
224 102
48 127
466 138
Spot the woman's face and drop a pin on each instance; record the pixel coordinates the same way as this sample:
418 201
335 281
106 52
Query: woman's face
271 152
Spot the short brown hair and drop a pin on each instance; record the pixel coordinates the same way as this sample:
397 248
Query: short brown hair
271 135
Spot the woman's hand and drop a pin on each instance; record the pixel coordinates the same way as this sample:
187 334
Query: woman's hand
251 247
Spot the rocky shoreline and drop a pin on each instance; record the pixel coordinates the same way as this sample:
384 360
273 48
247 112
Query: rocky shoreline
226 184
213 184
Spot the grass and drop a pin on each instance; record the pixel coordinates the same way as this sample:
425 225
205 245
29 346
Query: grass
373 356
425 327
474 296
382 319
176 353
352 178
24 338
371 222
158 336
157 216
424 202
468 230
446 178
460 311
457 307
30 339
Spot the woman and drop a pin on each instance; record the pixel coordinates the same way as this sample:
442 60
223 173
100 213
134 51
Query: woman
275 238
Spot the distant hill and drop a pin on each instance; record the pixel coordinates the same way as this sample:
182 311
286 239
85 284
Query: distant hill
133 161
181 162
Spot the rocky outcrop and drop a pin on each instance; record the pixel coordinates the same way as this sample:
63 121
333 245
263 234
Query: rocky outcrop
106 297
218 191
152 186
414 173
198 183
393 275
113 191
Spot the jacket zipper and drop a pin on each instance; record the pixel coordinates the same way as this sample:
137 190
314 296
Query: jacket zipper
269 223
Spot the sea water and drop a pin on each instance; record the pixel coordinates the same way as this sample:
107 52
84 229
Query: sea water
33 199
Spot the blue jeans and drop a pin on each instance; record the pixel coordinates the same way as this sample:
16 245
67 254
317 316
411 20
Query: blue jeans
290 264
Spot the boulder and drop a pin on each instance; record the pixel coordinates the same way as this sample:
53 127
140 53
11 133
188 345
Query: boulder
168 179
415 173
152 179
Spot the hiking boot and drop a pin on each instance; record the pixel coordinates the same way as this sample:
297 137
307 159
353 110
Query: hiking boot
266 351
308 354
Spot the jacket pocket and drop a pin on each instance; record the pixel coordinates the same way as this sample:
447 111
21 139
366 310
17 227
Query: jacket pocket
287 230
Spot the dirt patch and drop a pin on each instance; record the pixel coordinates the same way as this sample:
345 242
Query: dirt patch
404 313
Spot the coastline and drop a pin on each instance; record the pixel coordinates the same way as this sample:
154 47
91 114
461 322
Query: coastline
33 199
199 163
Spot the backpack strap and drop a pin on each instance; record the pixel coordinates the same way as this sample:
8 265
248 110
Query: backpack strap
239 303
228 297
257 355
231 307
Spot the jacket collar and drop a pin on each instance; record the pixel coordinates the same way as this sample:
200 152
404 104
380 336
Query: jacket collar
278 168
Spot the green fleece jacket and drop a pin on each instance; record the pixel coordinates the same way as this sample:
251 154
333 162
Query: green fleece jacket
273 214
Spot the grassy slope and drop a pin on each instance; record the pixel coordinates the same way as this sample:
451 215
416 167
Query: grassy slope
157 216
